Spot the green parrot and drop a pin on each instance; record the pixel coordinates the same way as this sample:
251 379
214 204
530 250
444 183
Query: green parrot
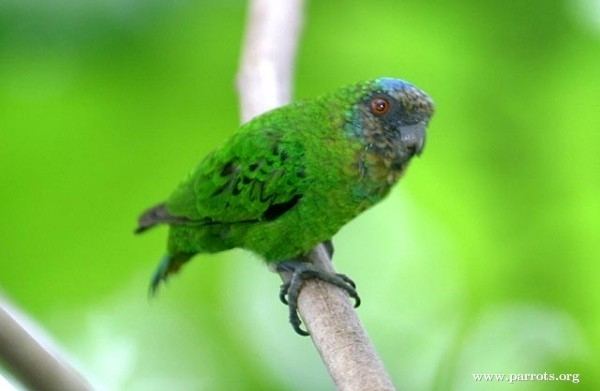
290 178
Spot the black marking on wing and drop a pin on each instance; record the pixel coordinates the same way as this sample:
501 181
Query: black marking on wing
236 188
229 168
221 189
276 210
283 155
252 189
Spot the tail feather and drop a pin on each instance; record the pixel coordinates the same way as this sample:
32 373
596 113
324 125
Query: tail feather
153 216
170 264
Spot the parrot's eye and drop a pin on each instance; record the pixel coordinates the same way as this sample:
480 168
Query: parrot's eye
380 106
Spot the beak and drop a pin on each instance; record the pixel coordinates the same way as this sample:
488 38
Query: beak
412 138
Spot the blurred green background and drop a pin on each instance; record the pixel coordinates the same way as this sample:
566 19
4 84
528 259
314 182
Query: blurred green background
483 259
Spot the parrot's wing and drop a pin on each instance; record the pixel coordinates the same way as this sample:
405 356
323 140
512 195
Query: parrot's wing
257 176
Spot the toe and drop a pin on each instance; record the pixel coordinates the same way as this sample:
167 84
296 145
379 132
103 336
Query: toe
283 291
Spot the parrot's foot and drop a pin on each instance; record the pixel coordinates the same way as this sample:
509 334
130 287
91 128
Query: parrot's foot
302 271
169 264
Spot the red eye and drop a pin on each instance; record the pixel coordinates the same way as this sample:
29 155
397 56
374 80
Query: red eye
380 106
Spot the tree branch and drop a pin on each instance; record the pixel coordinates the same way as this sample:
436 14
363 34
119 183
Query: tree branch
32 363
264 82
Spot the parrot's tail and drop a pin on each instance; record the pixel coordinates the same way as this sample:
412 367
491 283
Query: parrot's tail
170 264
153 216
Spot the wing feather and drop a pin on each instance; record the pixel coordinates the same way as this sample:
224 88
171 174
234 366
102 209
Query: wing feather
255 177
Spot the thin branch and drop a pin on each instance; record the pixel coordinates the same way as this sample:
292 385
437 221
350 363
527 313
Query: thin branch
34 364
264 78
264 82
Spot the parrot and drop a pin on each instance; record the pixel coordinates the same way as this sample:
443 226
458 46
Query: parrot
291 178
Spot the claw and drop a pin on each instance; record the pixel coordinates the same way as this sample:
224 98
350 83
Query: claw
283 292
347 279
294 287
301 271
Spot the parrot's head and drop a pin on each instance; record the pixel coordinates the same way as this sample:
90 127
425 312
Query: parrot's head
390 118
